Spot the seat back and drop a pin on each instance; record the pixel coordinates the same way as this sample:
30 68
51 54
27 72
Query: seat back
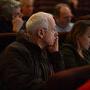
6 39
62 37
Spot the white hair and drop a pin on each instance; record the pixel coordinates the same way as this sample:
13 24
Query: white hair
39 20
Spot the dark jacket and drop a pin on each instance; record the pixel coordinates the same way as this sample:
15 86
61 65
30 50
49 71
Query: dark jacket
72 58
5 25
25 19
24 66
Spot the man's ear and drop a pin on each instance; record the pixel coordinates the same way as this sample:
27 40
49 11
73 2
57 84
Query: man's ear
41 33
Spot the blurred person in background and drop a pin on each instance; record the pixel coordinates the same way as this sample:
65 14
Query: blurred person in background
10 16
63 16
74 6
76 49
27 7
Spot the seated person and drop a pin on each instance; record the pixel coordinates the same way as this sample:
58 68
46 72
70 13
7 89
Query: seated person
63 16
27 7
10 16
76 49
24 65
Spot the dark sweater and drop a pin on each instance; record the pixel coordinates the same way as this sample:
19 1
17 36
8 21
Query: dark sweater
24 66
72 58
5 26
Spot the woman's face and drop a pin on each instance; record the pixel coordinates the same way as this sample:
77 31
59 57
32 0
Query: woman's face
84 40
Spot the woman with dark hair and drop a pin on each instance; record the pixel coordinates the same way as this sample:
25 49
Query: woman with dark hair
76 50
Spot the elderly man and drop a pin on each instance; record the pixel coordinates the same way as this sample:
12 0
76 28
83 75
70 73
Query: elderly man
63 16
25 65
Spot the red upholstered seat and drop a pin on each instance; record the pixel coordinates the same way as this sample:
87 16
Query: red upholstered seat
85 86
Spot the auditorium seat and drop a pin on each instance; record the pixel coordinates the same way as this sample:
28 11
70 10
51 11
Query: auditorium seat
5 39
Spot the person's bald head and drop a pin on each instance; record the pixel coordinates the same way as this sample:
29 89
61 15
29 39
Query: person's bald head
62 8
63 14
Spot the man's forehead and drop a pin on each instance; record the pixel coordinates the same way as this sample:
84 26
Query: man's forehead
65 10
27 2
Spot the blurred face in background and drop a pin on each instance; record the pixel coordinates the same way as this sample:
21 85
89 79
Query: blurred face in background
27 7
84 40
65 16
17 12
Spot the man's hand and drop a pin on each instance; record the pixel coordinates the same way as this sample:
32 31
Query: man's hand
55 47
17 23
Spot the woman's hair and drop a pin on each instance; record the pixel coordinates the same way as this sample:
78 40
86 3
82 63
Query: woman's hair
79 28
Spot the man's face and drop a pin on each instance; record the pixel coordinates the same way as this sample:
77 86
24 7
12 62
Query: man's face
17 12
51 34
65 16
27 8
84 40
